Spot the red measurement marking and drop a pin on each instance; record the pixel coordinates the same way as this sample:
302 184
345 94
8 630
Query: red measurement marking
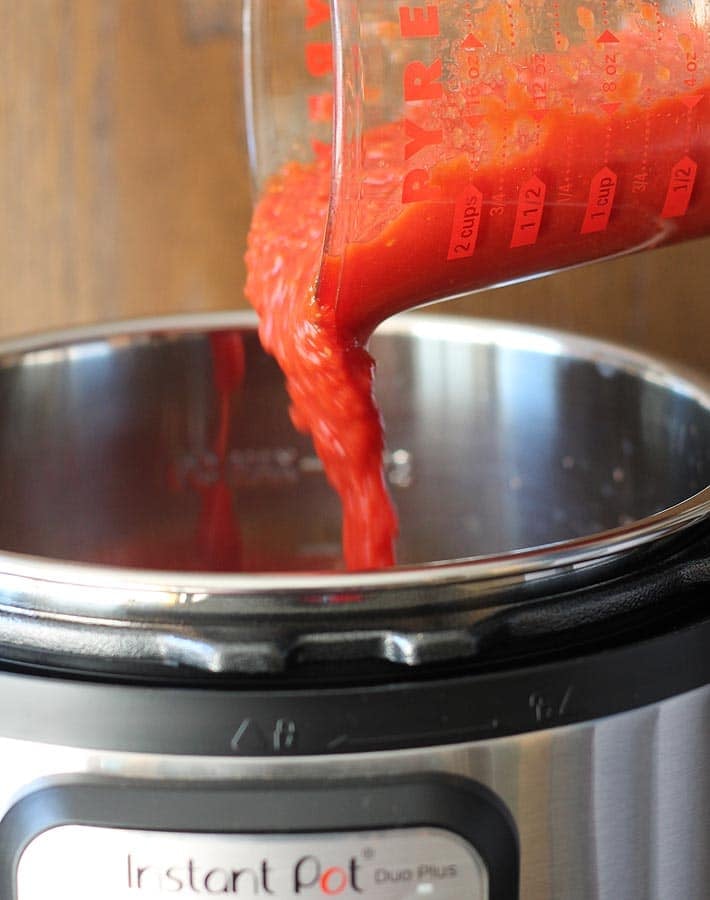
321 149
419 22
528 218
607 38
467 221
319 59
320 107
419 138
691 100
680 188
601 201
421 81
511 22
471 42
318 11
610 108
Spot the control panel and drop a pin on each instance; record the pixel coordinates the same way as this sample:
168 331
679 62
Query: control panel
406 838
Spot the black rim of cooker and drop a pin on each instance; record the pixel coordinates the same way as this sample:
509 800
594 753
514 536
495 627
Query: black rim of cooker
655 648
421 711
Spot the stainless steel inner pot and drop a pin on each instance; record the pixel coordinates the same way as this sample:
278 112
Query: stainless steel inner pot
515 457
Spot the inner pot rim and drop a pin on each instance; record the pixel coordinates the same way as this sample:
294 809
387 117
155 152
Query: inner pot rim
486 574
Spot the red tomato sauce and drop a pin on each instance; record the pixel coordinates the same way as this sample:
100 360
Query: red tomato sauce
328 375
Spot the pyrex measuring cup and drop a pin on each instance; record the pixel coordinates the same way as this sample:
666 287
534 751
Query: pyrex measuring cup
466 144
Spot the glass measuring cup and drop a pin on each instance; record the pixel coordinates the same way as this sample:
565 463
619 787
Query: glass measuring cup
458 145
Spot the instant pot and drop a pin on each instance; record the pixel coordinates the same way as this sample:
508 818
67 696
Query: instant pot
519 709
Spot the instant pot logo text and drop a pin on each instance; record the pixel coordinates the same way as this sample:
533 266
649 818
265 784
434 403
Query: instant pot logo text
308 876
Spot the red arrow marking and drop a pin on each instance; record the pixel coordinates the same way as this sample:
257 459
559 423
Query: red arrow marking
610 108
471 42
607 38
691 100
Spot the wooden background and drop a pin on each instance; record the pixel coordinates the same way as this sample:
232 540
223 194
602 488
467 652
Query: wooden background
124 188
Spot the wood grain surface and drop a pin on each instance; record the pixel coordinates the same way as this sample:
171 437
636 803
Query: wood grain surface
125 188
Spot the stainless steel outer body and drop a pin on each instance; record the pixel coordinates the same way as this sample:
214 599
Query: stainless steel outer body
612 809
